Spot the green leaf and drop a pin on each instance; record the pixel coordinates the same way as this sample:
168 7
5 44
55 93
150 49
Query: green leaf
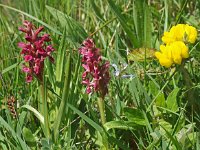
140 17
21 121
60 63
172 138
124 125
17 138
46 144
32 17
96 9
75 31
183 134
140 54
28 135
172 100
36 113
64 99
160 100
10 68
166 125
134 115
147 26
123 22
87 119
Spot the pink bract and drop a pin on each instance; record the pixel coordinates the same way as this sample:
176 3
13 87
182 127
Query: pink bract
34 50
96 75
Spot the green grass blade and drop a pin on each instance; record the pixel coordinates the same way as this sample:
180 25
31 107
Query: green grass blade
147 27
35 112
173 139
14 135
64 99
32 17
123 22
60 63
96 9
75 31
138 17
10 68
87 119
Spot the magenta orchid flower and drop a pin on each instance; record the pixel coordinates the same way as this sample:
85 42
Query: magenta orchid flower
96 75
34 51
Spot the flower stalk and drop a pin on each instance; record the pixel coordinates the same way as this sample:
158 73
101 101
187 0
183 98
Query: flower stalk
96 77
102 110
35 50
45 110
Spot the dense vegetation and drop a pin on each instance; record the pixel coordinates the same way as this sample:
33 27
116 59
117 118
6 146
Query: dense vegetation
98 84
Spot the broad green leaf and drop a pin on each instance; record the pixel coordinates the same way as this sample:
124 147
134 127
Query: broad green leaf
124 125
138 17
28 135
157 138
166 125
134 115
140 54
21 121
183 134
172 100
46 144
160 100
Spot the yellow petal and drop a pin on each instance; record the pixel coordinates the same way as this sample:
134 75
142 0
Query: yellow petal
158 55
191 33
165 62
162 48
179 51
184 50
177 59
168 38
179 32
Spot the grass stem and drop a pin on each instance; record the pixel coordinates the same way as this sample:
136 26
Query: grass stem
45 110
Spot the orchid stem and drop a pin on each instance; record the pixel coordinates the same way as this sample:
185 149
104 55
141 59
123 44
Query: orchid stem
103 120
45 110
101 110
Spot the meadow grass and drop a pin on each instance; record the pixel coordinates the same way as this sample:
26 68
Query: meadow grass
147 106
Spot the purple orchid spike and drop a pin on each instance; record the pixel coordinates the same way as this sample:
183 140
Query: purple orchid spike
96 75
34 51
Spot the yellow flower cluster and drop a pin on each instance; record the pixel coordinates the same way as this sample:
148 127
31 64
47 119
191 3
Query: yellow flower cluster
175 48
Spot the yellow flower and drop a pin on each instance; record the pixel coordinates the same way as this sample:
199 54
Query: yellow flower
168 37
180 32
172 53
191 33
163 59
176 52
164 56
